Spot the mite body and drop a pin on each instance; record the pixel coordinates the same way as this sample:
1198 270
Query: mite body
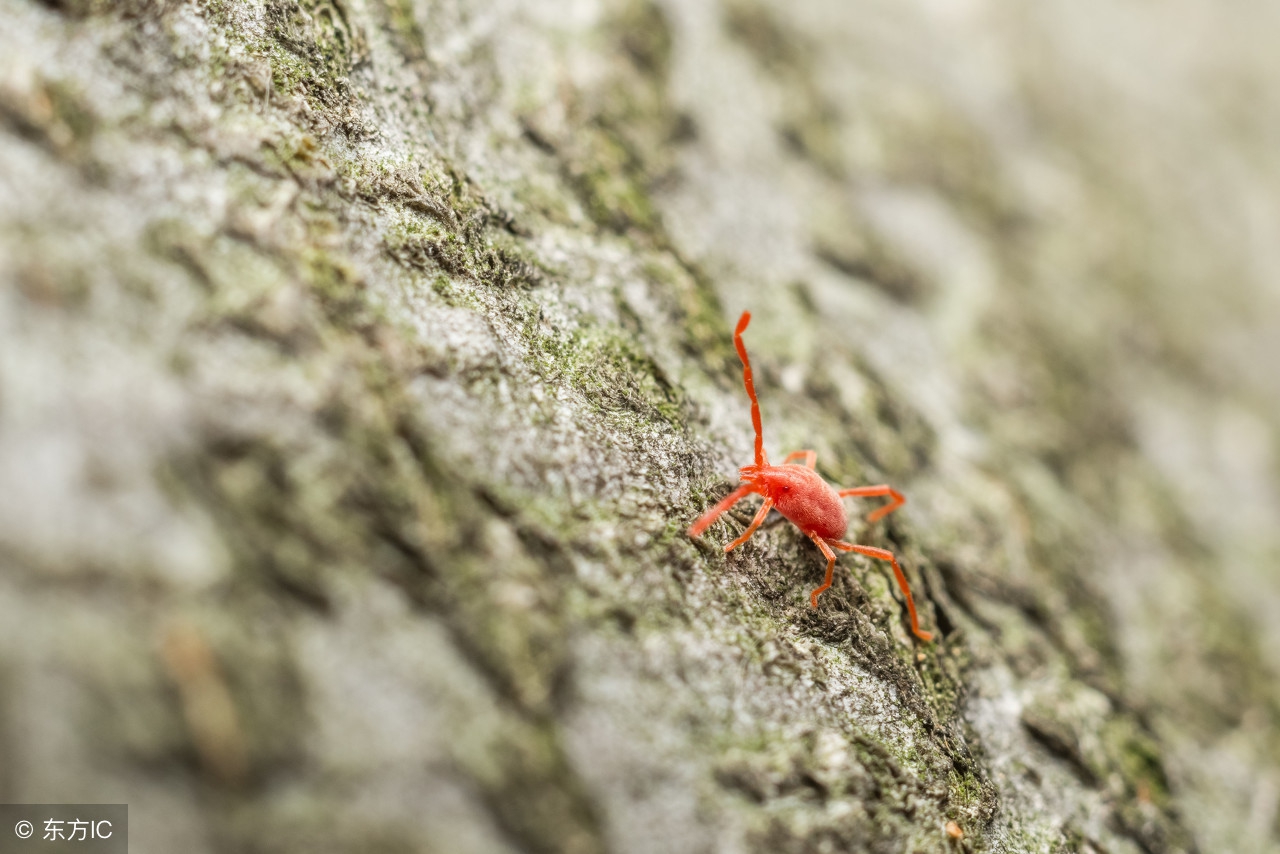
801 495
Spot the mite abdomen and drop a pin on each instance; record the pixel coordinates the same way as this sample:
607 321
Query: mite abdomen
806 499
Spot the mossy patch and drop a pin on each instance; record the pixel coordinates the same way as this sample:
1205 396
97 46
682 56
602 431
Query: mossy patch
609 369
617 145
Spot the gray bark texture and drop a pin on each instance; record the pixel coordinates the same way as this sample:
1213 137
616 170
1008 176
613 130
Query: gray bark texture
363 364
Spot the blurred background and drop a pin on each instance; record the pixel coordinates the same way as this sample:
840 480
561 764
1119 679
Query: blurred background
362 363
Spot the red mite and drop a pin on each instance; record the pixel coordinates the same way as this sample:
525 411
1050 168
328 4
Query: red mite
799 493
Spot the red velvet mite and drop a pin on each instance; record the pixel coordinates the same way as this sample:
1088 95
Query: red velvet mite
800 494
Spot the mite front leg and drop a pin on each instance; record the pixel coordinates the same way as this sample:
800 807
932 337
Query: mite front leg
883 554
871 491
714 513
751 529
831 567
810 458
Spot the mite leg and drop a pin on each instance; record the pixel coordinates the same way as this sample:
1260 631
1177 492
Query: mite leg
724 504
751 529
870 491
883 554
750 385
810 457
831 566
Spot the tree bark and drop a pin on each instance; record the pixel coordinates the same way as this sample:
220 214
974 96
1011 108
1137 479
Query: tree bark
364 363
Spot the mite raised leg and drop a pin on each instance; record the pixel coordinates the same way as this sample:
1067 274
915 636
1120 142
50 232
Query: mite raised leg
750 385
831 567
751 529
714 513
883 554
871 491
810 458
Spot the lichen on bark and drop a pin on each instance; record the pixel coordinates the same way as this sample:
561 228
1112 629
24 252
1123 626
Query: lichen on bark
363 365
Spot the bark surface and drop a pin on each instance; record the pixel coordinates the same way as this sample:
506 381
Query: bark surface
363 363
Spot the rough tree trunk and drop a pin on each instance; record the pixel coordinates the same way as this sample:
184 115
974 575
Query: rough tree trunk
362 364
